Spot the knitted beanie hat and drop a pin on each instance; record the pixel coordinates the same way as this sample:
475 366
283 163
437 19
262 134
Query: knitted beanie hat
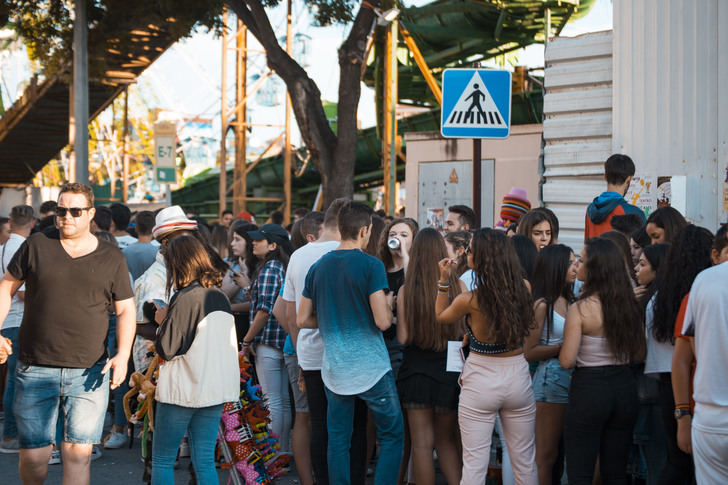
515 204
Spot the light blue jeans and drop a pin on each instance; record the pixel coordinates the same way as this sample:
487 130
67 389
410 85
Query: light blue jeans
170 424
383 403
273 376
10 429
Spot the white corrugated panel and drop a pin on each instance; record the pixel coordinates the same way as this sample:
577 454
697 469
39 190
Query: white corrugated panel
577 128
670 98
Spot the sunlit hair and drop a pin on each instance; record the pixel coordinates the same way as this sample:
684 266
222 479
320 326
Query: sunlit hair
385 254
622 318
549 279
187 261
688 255
420 290
501 293
82 189
460 240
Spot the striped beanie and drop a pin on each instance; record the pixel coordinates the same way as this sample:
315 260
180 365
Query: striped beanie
515 204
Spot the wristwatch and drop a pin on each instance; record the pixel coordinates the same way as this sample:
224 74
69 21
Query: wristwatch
680 412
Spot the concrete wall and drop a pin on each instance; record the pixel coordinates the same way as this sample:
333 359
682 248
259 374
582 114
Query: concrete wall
516 162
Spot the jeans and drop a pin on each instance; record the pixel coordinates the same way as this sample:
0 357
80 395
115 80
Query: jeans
600 418
273 376
10 429
317 406
42 394
118 394
170 423
679 467
383 403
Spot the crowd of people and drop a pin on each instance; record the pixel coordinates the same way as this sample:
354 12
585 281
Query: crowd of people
373 338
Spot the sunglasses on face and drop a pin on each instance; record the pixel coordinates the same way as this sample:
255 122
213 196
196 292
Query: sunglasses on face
75 211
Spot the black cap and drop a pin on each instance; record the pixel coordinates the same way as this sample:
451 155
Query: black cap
272 232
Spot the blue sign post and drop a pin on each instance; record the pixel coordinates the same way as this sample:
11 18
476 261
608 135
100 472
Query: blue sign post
476 103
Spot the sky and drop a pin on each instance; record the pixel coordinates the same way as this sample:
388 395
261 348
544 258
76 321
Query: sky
186 79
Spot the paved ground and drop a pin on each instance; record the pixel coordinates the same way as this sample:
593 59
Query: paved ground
115 467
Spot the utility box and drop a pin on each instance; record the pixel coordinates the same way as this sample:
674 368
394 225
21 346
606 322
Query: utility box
439 173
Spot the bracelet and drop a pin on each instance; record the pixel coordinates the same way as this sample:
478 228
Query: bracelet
443 291
682 406
440 283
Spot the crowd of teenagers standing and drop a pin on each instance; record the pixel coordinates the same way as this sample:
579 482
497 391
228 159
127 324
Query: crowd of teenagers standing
604 365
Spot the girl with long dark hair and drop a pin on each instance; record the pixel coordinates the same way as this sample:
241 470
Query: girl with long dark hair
196 338
553 279
603 335
495 379
243 263
426 389
664 224
265 337
689 254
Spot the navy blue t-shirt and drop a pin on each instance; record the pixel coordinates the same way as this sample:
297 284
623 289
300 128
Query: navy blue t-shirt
339 285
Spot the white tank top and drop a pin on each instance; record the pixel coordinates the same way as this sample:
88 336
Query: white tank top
556 335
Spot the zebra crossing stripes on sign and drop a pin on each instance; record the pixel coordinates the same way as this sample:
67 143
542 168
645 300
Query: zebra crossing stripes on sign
476 103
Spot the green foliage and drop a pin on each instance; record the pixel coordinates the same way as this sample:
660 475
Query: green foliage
47 26
327 12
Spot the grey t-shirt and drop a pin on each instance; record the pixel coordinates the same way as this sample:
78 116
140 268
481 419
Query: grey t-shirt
139 257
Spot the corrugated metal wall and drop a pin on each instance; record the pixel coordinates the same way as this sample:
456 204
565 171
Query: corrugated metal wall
577 127
671 95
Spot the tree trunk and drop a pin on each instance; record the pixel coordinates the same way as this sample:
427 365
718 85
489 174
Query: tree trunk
334 156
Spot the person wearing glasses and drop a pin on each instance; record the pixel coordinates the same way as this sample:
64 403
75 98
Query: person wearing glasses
63 367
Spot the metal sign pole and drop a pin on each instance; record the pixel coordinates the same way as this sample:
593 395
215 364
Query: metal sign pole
477 170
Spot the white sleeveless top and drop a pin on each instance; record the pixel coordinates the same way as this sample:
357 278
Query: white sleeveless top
556 335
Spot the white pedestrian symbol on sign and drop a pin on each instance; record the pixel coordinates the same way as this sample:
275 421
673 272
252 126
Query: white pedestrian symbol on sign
475 108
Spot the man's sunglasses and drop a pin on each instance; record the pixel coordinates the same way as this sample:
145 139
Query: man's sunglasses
75 211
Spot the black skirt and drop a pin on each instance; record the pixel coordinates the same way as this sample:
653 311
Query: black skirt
424 383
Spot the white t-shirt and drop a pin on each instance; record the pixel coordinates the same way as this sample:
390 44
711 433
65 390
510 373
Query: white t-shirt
310 346
124 241
707 311
659 354
17 306
468 277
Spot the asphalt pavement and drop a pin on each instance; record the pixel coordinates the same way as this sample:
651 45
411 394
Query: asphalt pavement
116 467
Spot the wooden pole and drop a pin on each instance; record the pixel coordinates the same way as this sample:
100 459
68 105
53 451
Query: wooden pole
393 79
240 190
223 119
125 150
287 152
386 119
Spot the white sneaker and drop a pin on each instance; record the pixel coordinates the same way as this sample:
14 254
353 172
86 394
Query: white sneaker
9 446
55 458
96 453
116 440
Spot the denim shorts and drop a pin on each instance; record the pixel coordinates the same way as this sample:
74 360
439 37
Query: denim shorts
551 382
42 392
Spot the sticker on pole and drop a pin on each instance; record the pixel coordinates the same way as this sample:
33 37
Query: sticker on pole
476 103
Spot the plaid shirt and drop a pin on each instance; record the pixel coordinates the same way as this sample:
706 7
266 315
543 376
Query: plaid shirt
263 295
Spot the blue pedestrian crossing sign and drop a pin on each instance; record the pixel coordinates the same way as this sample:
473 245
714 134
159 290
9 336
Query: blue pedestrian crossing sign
476 103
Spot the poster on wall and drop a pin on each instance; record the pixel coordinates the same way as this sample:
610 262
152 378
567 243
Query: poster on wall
436 218
664 191
642 193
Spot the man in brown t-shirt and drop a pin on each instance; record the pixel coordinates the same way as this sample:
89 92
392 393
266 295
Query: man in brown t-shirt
71 281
